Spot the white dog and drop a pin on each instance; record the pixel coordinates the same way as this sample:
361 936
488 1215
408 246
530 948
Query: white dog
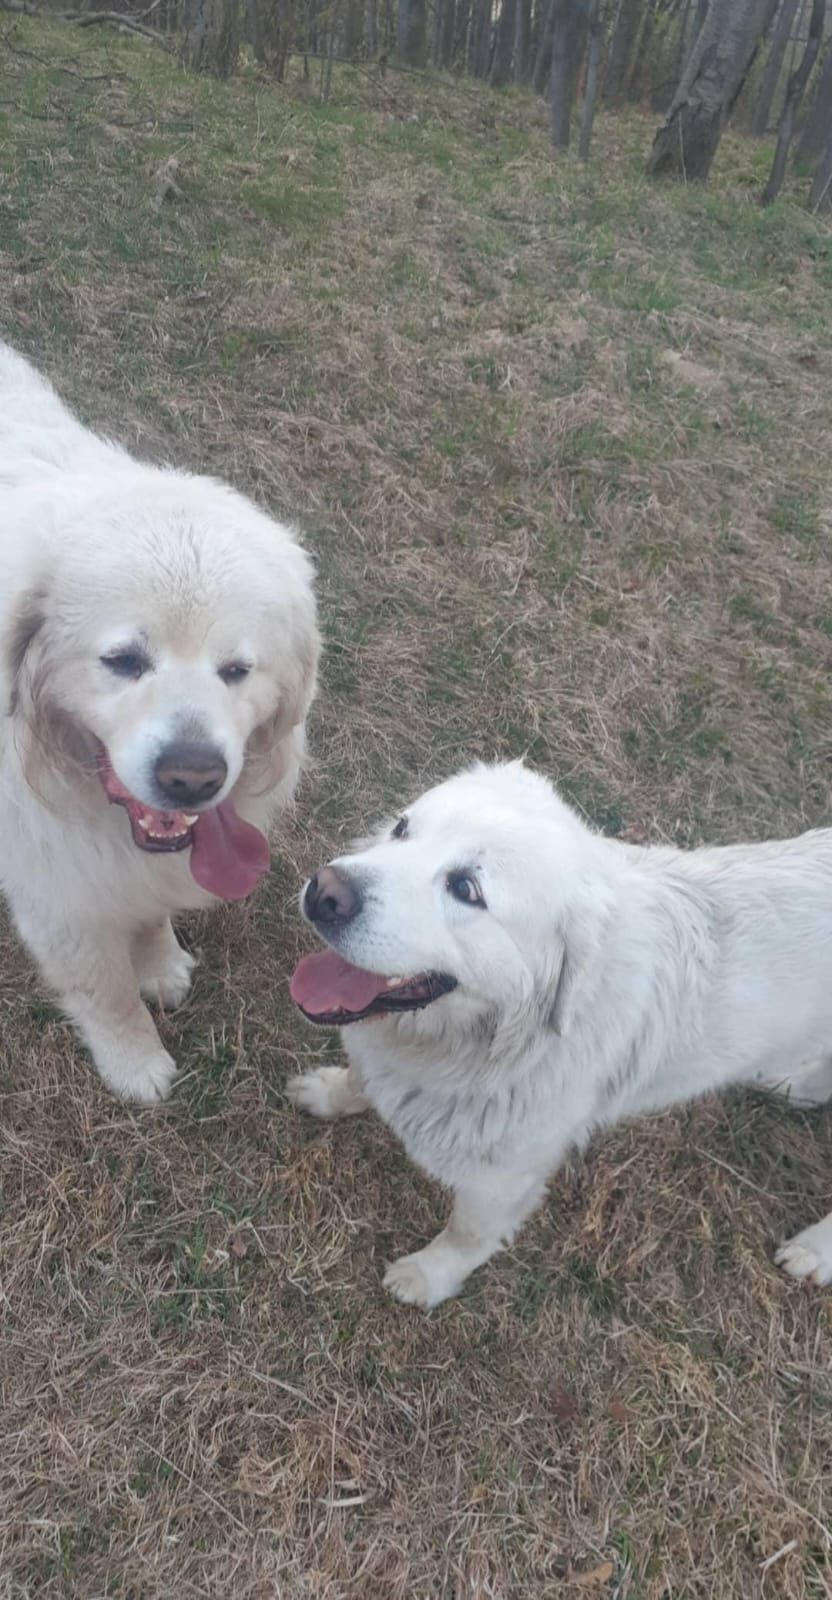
547 982
158 650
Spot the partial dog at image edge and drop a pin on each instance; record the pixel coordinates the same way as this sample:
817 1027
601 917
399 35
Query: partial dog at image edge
158 652
514 982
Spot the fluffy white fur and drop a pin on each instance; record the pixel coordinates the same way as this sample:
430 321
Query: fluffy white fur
98 551
599 981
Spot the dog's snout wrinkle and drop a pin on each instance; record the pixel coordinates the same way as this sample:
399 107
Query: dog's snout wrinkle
189 773
331 897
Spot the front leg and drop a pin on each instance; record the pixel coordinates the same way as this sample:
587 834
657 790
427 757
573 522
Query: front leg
163 969
488 1210
92 971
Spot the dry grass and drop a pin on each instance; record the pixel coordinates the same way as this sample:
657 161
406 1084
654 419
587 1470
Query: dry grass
560 442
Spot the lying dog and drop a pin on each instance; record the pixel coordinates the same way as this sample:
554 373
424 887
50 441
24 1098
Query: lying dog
158 650
548 982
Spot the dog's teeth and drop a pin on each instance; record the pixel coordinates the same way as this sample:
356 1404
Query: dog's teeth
395 983
143 823
191 819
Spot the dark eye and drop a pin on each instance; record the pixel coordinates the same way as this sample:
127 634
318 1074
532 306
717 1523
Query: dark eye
465 889
400 830
234 671
127 663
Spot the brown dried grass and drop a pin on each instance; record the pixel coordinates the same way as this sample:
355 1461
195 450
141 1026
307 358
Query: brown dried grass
394 319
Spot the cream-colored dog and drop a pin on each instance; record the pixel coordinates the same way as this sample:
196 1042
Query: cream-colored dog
158 650
514 982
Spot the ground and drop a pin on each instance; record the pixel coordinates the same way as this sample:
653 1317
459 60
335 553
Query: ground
559 441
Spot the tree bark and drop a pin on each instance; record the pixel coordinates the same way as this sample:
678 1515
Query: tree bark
596 37
795 90
372 29
543 57
212 39
412 32
717 68
504 44
812 135
569 34
774 66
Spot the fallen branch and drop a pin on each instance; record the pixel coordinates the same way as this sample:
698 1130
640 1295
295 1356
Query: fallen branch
116 19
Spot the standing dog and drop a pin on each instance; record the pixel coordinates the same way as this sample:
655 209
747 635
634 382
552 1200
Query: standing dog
520 981
158 650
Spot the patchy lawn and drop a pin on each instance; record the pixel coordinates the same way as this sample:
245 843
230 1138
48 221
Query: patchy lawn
560 442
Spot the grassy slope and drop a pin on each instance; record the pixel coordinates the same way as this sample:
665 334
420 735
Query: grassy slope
456 363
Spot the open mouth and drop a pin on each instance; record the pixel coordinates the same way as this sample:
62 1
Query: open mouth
228 855
331 992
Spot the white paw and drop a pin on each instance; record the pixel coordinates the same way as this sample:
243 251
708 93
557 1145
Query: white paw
809 1254
322 1093
146 1081
412 1280
171 986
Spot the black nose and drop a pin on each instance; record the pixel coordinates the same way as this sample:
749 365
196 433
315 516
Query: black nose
331 897
189 774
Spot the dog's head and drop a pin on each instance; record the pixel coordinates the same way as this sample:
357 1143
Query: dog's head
170 645
482 899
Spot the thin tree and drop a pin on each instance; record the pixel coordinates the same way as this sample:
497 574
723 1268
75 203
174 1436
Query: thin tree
717 68
774 65
412 32
820 194
596 39
543 55
624 34
795 90
504 44
569 35
812 137
522 41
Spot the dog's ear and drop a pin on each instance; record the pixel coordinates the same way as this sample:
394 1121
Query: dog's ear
27 622
265 753
582 940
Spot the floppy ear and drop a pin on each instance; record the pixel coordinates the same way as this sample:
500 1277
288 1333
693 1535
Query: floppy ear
26 624
582 941
264 752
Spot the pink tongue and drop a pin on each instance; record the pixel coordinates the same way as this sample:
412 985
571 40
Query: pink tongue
228 855
326 982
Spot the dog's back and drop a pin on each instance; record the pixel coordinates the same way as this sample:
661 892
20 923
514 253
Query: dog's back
38 436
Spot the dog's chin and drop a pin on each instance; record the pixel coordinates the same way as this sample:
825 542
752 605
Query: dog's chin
332 992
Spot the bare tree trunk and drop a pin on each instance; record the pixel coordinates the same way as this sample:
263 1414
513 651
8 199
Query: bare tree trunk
774 66
596 38
821 188
815 127
795 90
543 58
686 144
820 194
479 38
504 44
522 41
412 32
212 40
638 66
353 29
372 29
624 36
571 23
